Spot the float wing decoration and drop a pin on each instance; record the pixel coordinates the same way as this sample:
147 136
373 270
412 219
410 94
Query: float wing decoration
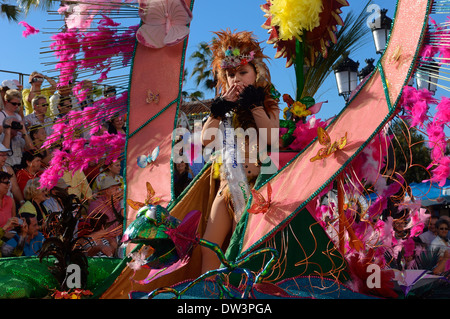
365 114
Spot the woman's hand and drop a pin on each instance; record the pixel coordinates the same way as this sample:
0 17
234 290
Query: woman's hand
233 93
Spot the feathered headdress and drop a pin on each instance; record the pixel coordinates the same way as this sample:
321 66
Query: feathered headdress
231 50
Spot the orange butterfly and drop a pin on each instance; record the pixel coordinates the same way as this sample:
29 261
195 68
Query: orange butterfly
261 205
330 148
152 97
150 200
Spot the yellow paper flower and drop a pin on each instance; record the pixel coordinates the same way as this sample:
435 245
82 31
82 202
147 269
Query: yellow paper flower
299 109
294 16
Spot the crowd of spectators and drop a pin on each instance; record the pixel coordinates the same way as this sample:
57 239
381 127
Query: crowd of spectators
26 119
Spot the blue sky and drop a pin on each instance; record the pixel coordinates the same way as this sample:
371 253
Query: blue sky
23 54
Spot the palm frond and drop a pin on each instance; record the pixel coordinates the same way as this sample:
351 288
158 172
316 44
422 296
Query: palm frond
28 5
11 12
352 36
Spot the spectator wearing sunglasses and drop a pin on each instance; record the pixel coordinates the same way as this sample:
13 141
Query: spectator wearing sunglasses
36 81
13 103
9 85
39 117
442 245
441 241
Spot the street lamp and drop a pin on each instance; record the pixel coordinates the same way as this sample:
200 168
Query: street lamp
381 26
346 73
427 76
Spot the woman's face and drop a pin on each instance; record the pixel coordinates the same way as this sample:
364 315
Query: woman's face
40 196
3 158
181 167
4 186
40 135
13 105
245 75
115 168
35 164
118 122
442 231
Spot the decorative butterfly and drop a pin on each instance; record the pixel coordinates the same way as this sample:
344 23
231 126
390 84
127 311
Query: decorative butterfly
152 97
164 22
144 160
330 148
260 205
398 57
150 200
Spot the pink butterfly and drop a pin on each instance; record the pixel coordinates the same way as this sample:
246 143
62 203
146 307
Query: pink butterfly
164 22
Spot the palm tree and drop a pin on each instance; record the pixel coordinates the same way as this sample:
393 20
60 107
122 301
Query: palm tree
27 5
202 67
11 12
193 96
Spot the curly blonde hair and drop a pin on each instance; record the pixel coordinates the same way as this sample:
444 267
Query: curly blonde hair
246 42
13 94
32 188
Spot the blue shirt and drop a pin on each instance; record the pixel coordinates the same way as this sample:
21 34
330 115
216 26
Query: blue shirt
31 248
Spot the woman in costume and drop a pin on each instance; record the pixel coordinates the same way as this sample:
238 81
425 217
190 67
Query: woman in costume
245 102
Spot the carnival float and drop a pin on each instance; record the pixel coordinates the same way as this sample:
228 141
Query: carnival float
320 224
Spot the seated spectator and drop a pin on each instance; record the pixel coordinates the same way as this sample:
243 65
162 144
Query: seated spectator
6 232
30 168
96 240
15 138
38 137
64 106
64 93
9 85
34 200
441 241
40 106
14 189
427 237
112 170
116 125
441 244
36 80
13 103
109 202
28 240
87 87
57 196
7 205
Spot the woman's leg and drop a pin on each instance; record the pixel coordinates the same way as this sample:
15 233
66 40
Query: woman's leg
218 226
